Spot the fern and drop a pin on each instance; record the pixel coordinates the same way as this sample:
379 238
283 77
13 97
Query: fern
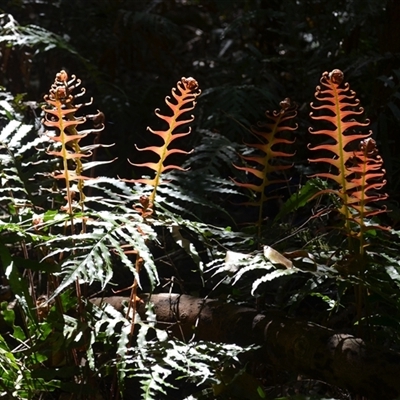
235 266
62 123
213 154
91 253
197 362
14 34
270 137
366 182
111 223
356 173
235 104
16 144
184 100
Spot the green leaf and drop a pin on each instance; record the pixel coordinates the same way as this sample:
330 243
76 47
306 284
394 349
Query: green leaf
301 198
271 276
18 284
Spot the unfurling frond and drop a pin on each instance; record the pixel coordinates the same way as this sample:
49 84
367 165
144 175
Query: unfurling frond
340 107
184 100
366 179
358 174
62 128
270 144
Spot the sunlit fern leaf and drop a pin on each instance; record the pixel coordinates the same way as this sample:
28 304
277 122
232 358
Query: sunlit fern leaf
14 34
111 191
151 361
340 107
367 179
270 137
184 100
356 173
13 133
235 266
15 147
275 274
62 129
92 260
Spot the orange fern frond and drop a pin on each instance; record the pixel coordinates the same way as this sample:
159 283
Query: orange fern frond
358 174
62 129
269 136
367 178
340 107
184 100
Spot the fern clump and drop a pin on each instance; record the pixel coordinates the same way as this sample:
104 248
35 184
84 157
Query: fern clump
72 245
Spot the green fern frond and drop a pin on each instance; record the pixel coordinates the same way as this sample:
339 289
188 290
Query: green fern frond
198 361
183 198
214 154
112 192
91 253
15 150
14 34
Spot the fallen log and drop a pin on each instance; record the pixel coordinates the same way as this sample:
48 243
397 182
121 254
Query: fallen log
304 347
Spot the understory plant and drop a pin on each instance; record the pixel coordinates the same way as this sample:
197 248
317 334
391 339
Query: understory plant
70 238
74 232
343 231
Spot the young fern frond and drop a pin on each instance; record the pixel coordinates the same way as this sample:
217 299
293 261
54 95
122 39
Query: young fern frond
270 136
356 173
62 126
184 100
367 178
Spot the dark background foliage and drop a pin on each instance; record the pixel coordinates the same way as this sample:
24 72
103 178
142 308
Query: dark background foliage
246 56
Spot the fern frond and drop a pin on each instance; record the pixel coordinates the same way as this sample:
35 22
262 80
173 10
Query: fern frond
153 361
340 107
15 146
356 173
235 265
62 129
214 154
184 100
236 103
367 178
92 259
14 34
270 136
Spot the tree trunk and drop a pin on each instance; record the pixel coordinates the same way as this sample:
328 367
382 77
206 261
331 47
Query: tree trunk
304 347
